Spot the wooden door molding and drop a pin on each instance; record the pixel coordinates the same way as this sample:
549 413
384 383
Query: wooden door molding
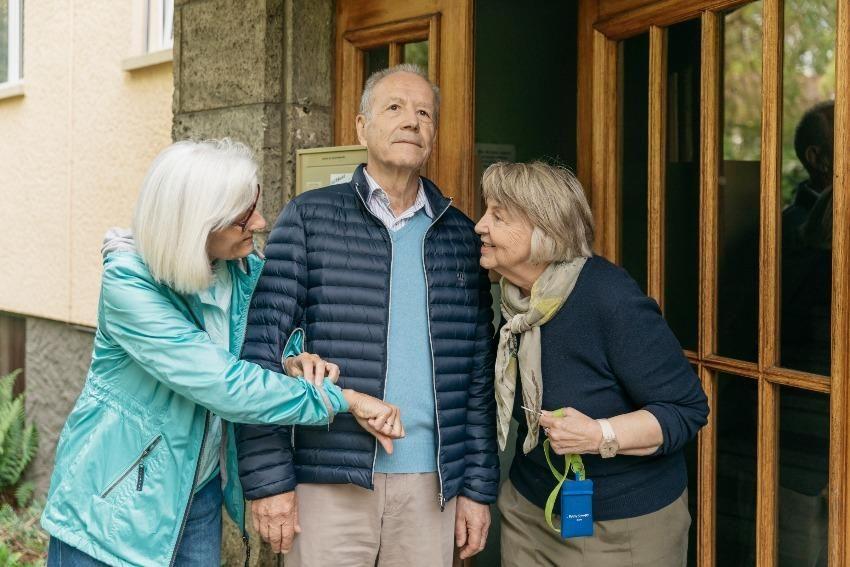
447 25
839 434
662 13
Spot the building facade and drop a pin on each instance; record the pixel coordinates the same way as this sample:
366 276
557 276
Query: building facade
85 104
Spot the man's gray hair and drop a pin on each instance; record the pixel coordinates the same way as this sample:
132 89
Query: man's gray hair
553 201
378 76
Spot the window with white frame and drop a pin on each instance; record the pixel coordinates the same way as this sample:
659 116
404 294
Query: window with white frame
11 40
160 25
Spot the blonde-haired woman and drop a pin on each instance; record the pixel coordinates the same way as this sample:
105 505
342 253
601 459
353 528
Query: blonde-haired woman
146 458
580 337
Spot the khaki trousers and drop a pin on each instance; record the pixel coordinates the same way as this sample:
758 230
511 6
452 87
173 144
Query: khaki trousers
659 539
399 523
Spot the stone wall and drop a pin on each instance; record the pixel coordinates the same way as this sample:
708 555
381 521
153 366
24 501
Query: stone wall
259 71
57 359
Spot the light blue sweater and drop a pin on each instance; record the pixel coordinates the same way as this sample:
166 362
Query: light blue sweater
410 383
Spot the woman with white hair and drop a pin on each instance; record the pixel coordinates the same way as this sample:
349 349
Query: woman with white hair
147 456
581 340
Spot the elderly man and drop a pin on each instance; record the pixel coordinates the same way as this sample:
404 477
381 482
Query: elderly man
382 273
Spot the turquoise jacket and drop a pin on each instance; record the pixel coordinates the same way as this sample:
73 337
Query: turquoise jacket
127 458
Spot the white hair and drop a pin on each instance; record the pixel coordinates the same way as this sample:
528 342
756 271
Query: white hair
378 76
191 189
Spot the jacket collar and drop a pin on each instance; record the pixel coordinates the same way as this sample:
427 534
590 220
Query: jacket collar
436 200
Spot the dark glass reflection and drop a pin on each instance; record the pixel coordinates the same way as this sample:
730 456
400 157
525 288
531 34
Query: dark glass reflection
634 89
740 177
737 428
803 478
807 152
375 59
416 53
682 188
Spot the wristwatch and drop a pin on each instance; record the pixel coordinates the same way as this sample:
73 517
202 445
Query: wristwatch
609 446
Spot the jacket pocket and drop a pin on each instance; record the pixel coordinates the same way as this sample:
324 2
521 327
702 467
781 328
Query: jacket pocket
137 465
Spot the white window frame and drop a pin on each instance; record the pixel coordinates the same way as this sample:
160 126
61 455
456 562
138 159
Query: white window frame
15 37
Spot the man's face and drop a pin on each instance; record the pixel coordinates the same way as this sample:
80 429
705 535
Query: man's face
400 132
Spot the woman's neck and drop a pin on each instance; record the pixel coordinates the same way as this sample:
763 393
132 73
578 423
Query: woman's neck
525 275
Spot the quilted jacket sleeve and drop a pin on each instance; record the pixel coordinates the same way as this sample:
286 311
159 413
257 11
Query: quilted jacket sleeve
481 479
265 454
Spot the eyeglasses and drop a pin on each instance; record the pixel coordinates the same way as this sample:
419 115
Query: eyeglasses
243 224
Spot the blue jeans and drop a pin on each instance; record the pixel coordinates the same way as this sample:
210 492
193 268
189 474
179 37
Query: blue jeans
200 545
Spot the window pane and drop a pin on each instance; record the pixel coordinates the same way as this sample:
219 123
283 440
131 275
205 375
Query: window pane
807 147
803 477
682 194
416 53
634 124
737 428
4 41
168 23
375 59
738 206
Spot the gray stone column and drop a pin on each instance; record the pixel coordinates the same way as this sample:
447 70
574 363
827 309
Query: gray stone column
258 71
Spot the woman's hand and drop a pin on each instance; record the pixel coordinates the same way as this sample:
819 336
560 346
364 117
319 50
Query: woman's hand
572 433
379 418
311 367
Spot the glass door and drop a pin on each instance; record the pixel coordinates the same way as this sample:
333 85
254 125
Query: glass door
719 200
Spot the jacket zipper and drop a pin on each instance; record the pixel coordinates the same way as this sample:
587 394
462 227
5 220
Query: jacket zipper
440 495
389 322
140 462
192 491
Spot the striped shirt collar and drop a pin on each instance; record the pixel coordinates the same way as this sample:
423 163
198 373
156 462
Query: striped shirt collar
379 204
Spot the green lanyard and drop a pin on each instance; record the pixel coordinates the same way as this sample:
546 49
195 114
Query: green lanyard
571 461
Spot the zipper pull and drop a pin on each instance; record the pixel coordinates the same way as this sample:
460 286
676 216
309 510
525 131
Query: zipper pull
140 480
442 502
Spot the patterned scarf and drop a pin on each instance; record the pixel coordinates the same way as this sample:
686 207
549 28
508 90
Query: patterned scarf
525 315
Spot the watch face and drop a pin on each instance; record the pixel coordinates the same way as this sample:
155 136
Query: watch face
608 449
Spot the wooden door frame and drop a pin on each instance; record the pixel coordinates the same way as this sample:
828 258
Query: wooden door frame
603 25
364 23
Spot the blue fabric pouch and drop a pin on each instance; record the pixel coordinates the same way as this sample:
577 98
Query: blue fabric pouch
576 497
577 508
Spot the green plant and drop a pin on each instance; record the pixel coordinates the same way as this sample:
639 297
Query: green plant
18 439
22 541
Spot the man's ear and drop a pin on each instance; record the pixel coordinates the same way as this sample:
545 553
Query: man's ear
360 122
812 154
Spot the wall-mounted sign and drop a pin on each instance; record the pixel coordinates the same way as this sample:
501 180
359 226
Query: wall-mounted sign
320 167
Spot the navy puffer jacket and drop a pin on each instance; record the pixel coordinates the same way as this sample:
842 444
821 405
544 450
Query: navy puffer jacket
328 272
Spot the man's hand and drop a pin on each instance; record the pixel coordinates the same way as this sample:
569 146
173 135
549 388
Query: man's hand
311 367
379 418
472 522
276 520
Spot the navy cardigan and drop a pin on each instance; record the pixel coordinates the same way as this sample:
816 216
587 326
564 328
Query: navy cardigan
328 272
607 352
